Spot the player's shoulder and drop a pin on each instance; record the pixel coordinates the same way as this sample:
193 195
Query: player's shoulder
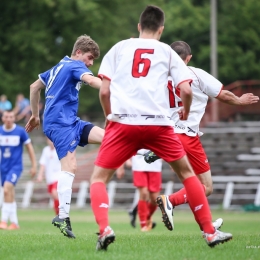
19 128
68 62
199 72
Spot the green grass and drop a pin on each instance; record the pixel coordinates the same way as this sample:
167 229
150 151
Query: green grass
38 239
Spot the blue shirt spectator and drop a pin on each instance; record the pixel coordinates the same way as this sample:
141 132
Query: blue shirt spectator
22 108
4 104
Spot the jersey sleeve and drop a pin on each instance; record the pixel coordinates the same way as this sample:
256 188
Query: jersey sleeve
78 69
44 77
208 84
178 70
25 139
43 158
108 64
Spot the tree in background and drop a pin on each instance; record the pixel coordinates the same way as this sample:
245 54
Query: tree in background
36 34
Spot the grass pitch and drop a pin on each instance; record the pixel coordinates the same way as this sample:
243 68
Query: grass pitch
39 240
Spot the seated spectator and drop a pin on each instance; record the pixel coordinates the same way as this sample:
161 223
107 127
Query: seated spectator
22 108
4 104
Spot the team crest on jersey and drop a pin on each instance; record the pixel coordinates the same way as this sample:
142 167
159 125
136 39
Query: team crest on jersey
78 86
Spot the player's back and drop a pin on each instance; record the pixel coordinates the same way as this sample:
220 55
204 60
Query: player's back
203 85
138 69
62 86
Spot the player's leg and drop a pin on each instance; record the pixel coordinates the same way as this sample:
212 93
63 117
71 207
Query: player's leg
121 142
199 162
154 187
54 195
91 134
64 189
9 210
9 205
198 202
132 214
100 204
164 140
140 181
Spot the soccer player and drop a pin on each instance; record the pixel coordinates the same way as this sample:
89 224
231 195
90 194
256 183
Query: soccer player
12 139
135 101
50 168
147 178
60 121
203 86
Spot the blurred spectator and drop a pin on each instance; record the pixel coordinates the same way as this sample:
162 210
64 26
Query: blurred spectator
4 104
22 108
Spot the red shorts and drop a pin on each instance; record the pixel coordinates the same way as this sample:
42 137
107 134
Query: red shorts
195 153
151 180
121 142
52 186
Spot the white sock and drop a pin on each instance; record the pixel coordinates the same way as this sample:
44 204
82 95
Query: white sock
64 189
13 215
6 211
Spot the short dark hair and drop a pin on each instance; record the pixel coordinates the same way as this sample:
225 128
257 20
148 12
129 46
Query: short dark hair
152 18
182 48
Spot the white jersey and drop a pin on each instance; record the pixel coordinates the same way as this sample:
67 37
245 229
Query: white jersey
139 164
138 70
50 160
203 86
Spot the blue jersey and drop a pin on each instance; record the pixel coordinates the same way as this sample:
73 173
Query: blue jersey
62 83
11 145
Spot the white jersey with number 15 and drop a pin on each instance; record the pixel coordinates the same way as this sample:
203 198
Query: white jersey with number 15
138 70
203 86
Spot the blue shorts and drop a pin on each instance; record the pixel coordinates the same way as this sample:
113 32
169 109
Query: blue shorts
12 176
66 139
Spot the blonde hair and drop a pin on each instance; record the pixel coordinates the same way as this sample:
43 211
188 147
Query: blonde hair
86 44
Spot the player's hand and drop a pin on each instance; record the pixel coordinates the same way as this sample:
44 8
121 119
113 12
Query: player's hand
34 122
248 98
183 115
39 179
33 171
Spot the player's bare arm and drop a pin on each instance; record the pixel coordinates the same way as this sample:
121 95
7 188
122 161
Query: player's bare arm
40 175
104 96
35 91
231 99
186 97
32 156
93 81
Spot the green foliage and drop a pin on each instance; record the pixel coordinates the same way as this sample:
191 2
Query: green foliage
35 35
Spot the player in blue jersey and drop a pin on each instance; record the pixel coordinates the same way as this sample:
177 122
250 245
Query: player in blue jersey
60 121
12 139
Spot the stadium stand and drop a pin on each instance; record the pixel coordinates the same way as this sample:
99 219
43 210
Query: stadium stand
236 179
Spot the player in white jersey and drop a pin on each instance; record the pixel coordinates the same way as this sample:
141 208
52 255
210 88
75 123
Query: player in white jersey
203 86
135 101
50 168
60 121
147 178
12 140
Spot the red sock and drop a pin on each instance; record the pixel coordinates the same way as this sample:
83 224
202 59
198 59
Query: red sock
151 209
142 212
99 204
199 203
180 197
56 206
